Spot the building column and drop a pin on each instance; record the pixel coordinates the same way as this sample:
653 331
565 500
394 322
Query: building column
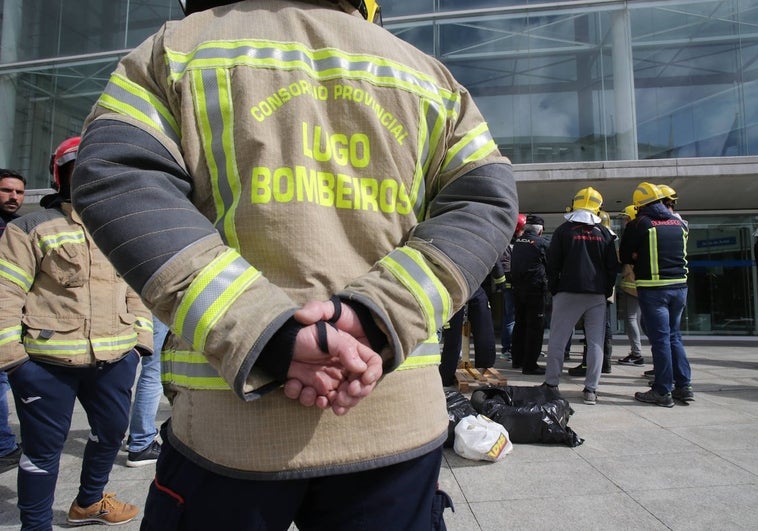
623 86
11 36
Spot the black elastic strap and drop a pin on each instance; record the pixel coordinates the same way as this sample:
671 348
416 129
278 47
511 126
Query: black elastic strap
321 337
337 308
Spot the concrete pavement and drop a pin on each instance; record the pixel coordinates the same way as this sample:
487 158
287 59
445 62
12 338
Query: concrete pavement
641 466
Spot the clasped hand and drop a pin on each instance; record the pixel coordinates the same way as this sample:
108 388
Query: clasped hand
340 378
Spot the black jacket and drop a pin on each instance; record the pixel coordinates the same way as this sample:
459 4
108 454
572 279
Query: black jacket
528 261
582 259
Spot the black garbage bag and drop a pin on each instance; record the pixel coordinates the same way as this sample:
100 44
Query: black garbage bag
531 414
458 407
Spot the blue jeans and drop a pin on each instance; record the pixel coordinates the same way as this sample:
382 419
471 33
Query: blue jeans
7 439
662 313
147 395
508 319
44 396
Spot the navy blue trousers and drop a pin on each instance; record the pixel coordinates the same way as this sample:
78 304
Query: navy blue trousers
44 395
186 497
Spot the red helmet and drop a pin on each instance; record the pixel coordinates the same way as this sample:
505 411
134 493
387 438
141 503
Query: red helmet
520 222
64 153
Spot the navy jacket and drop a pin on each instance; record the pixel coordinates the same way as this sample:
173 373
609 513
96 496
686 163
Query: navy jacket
655 242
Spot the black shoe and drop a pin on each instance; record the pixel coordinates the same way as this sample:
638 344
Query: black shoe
10 461
534 370
148 456
650 373
606 369
683 394
652 397
579 370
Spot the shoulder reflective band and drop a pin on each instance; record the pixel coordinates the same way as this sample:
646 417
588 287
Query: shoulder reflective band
410 268
191 370
125 97
54 241
323 65
16 275
10 335
424 355
475 145
211 294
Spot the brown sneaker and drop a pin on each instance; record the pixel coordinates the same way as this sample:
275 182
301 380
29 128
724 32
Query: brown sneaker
108 511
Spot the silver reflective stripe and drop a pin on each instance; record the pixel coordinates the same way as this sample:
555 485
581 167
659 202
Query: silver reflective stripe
468 148
16 275
195 321
137 104
421 284
325 64
219 116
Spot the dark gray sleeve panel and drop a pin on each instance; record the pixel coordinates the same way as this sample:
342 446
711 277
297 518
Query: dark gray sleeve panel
132 196
472 219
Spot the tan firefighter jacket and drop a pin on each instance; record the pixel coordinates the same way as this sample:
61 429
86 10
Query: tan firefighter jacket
62 302
253 157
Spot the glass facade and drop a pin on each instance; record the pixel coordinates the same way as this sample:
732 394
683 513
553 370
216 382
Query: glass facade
560 82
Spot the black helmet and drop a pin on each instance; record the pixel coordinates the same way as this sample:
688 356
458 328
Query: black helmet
369 8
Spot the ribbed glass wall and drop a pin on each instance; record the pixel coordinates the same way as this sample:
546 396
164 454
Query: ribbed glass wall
558 81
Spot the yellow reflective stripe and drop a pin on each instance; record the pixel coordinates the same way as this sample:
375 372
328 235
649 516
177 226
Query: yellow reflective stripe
324 65
499 280
652 241
54 241
16 275
53 347
628 284
114 344
126 97
210 294
660 282
191 370
424 355
215 112
12 334
143 324
475 145
410 268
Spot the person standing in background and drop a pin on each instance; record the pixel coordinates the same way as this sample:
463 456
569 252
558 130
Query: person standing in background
508 314
73 330
528 261
631 304
142 445
581 271
12 191
655 243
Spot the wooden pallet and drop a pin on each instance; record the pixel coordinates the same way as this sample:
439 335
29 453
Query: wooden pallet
470 378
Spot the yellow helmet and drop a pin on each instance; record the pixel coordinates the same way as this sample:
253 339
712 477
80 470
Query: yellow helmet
646 193
588 199
370 10
630 211
605 219
667 191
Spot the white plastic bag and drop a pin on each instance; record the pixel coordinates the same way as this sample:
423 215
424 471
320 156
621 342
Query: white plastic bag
481 439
